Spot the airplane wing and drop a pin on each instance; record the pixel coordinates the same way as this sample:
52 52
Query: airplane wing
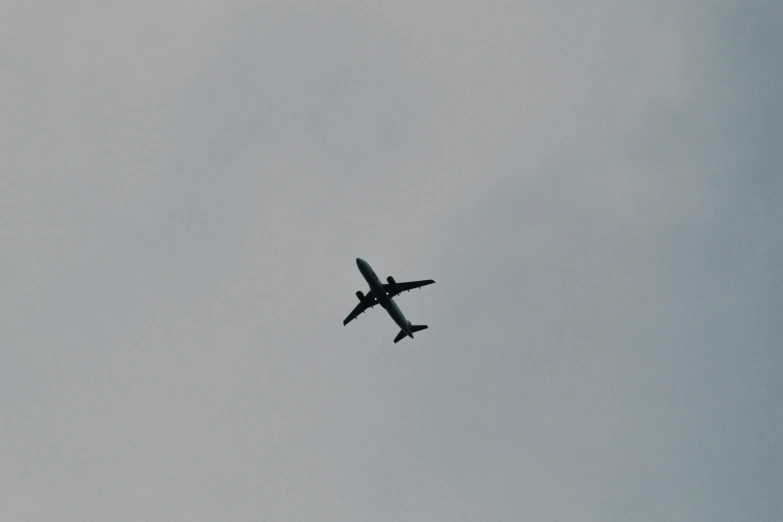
398 288
369 302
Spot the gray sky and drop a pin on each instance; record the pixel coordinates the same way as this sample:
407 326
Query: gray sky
184 187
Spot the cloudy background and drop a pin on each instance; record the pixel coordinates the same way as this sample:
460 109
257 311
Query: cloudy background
184 187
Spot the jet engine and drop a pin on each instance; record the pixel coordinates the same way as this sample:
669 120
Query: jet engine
392 282
360 295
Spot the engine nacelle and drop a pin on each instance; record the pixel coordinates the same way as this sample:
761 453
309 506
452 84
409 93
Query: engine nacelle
360 295
392 282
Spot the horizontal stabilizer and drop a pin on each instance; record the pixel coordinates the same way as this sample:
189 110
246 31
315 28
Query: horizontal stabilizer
414 328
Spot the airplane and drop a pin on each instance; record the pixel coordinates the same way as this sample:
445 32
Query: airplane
383 294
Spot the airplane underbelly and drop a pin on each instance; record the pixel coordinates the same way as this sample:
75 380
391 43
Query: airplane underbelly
396 314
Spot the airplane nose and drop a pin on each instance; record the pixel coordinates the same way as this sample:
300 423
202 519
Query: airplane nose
360 262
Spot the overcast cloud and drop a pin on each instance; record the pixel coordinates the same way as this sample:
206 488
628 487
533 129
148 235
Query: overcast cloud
184 187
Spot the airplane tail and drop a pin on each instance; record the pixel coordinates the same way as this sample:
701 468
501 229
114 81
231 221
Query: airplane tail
414 328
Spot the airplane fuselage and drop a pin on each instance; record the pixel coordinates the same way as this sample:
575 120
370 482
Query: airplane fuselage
383 298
